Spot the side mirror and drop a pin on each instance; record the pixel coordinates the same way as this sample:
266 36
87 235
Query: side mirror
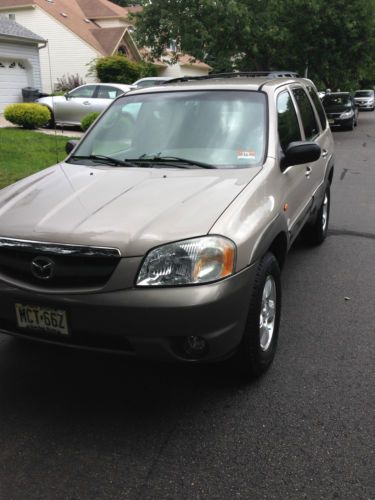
67 96
70 145
299 153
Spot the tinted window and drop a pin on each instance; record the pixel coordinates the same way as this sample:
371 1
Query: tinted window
106 92
307 114
319 107
364 93
288 125
86 91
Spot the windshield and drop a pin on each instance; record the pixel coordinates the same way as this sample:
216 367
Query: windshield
225 129
336 100
364 93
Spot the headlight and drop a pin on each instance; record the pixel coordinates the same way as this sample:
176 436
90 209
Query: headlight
347 114
188 262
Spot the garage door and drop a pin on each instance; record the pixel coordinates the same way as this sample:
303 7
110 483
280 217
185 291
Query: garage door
13 77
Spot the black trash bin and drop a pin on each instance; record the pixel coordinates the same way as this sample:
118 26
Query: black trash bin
29 94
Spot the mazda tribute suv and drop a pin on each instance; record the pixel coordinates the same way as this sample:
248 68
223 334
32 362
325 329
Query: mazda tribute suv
163 233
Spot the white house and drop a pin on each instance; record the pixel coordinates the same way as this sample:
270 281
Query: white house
19 61
79 31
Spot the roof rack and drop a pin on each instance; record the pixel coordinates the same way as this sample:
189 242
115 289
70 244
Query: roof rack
235 74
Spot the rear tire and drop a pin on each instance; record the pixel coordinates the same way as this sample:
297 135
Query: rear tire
316 233
259 342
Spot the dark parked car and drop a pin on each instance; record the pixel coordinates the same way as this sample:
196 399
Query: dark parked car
341 110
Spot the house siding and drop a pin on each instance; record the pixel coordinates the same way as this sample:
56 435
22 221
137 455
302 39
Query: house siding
65 53
177 71
111 23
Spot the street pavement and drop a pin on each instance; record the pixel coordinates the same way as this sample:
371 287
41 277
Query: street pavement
78 425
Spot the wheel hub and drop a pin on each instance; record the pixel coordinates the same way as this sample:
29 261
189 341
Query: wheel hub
267 313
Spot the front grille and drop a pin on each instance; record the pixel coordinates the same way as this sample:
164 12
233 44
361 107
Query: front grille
69 268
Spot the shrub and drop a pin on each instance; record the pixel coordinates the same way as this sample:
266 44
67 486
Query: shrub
120 69
68 82
88 120
28 115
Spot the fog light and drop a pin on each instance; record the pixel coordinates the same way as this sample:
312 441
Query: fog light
195 346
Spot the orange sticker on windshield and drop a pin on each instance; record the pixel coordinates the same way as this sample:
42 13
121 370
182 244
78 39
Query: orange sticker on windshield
245 154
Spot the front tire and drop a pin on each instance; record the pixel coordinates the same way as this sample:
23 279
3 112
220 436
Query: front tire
316 233
258 346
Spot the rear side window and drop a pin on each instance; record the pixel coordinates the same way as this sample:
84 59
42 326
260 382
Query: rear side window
310 125
107 92
288 125
318 105
87 91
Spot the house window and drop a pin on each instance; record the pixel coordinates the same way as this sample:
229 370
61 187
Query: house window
122 50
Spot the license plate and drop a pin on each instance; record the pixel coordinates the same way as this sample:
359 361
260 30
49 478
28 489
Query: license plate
331 121
41 318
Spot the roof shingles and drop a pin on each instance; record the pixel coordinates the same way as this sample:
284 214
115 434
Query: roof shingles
12 29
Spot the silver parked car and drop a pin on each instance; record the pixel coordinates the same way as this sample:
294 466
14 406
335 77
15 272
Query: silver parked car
365 99
163 233
70 108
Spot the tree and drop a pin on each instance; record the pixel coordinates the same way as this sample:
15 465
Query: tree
334 40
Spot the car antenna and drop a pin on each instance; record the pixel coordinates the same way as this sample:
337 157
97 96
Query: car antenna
53 102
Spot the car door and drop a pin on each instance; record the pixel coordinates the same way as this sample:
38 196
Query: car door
294 181
77 104
104 95
323 138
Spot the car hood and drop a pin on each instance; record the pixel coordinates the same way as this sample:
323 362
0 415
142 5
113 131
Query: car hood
132 209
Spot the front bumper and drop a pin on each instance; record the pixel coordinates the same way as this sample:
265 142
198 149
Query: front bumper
367 105
149 323
340 122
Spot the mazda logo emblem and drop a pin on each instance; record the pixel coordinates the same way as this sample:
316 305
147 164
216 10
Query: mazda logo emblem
42 268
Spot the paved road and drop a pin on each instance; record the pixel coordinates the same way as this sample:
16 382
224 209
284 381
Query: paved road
83 426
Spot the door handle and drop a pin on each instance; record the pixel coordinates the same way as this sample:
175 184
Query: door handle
308 172
86 103
324 153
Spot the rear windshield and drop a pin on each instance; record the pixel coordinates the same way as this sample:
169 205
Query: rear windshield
364 93
226 129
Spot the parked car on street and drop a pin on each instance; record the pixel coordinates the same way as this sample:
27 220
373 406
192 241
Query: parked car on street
163 235
365 99
151 81
70 108
341 110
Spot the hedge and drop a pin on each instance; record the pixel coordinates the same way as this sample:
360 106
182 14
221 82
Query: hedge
88 120
120 69
27 115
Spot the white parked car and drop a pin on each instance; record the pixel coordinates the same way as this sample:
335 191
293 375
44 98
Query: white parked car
69 109
151 81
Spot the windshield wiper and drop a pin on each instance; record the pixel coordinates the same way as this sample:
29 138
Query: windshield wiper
174 160
104 159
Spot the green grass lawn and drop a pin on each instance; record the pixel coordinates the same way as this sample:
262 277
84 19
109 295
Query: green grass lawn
23 152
